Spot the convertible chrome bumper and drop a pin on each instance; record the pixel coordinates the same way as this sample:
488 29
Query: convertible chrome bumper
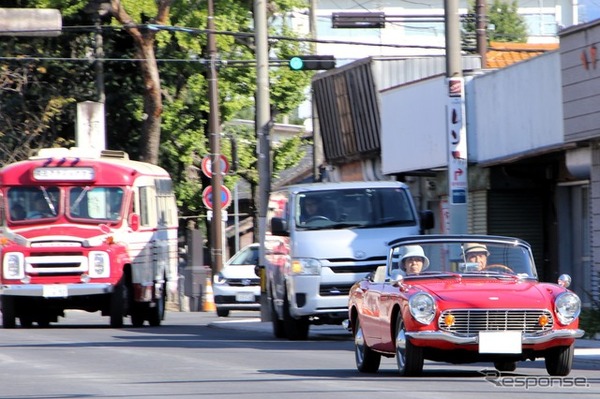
527 339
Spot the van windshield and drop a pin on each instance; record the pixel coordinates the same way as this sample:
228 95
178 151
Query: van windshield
353 208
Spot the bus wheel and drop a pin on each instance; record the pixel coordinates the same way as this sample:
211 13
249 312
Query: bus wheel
8 312
157 312
117 305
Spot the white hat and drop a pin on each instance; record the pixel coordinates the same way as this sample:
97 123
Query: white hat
476 247
414 250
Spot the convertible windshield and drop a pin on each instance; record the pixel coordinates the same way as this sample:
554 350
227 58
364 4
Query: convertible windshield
353 208
465 258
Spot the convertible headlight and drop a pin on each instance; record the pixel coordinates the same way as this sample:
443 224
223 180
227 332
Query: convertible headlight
13 266
306 266
422 307
567 307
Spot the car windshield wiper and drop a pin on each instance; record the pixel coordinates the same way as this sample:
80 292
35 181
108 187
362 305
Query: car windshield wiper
346 225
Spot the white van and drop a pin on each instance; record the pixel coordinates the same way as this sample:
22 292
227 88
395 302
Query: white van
323 238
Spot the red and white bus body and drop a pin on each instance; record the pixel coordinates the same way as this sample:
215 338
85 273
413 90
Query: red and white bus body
77 231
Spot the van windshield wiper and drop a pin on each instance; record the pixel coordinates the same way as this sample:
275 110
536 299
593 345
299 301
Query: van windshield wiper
394 222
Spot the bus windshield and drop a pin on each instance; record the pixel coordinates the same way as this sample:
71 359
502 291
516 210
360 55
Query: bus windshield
43 202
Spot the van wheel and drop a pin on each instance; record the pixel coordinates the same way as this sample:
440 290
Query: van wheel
138 313
222 312
278 327
295 329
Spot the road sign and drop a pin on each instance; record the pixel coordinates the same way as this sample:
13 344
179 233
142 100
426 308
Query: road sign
207 165
207 197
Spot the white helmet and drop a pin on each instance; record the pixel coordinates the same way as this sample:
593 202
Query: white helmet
414 250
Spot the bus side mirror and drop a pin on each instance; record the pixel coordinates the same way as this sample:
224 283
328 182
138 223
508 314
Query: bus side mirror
134 221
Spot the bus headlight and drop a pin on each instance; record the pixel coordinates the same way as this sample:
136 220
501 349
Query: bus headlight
567 306
99 264
306 266
13 266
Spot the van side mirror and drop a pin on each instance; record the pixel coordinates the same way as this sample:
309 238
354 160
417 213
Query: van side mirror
427 221
279 227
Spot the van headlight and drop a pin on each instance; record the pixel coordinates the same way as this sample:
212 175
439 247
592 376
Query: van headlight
422 307
99 264
305 266
567 307
13 266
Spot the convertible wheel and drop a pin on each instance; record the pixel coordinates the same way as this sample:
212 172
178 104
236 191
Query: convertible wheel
505 366
408 357
367 360
559 360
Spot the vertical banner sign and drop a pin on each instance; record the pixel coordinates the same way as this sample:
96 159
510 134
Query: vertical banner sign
457 143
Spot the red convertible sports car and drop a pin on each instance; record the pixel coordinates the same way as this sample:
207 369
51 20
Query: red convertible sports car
462 299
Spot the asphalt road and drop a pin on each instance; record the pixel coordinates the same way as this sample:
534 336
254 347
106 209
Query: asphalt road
197 354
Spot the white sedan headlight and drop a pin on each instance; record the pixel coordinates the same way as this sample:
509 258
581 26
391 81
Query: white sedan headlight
422 307
306 266
219 279
567 306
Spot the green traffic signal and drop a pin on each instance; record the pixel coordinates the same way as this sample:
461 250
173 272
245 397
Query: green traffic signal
296 63
311 62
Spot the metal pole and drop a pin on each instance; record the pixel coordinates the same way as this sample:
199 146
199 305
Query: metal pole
457 138
263 115
215 144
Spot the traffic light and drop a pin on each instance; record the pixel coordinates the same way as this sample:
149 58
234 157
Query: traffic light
312 62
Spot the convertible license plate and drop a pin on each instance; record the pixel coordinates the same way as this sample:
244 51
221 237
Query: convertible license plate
500 342
244 297
55 291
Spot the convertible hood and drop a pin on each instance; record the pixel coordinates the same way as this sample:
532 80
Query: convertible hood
490 293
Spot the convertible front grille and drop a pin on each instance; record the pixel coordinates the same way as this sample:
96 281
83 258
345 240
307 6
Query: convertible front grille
472 321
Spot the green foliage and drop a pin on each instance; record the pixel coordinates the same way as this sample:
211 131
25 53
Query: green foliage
51 88
589 321
509 26
505 24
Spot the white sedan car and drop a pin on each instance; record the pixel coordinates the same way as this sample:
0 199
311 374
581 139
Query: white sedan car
237 287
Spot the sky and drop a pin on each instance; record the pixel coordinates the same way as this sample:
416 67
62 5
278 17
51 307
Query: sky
589 9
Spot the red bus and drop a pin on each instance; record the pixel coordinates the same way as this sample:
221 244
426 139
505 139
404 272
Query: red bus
88 232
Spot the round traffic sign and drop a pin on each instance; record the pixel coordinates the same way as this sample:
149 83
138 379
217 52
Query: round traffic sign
207 165
207 197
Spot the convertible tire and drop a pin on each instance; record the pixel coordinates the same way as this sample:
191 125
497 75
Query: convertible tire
559 361
408 356
367 360
295 329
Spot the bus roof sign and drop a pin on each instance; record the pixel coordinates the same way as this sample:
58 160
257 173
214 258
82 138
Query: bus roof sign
64 174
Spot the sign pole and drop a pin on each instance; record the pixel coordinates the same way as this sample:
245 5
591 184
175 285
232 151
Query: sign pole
458 189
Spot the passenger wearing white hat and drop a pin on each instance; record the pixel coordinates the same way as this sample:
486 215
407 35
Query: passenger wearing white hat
477 253
414 260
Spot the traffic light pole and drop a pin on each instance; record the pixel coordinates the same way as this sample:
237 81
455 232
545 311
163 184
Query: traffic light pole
262 125
215 145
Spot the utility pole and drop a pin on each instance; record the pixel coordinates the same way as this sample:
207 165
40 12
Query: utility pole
481 30
456 125
215 145
262 125
317 140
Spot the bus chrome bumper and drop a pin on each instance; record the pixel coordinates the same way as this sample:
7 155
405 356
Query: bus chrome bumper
56 290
